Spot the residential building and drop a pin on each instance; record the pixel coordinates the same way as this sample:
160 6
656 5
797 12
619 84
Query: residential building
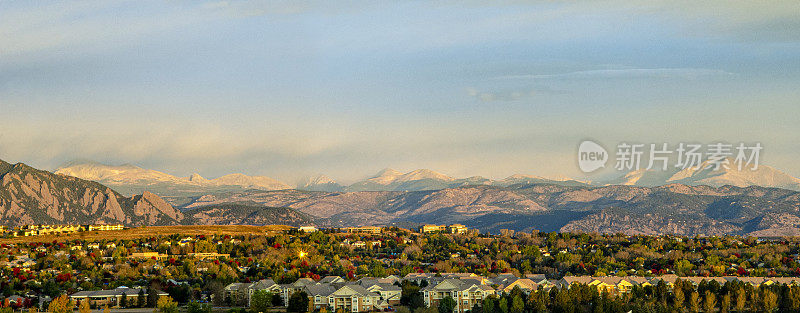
364 229
466 292
432 228
111 297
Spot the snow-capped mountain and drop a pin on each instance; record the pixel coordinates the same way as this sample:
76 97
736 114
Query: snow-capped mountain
130 179
528 179
705 174
425 179
320 183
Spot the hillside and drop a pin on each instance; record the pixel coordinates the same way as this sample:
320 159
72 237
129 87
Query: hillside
676 209
31 196
243 214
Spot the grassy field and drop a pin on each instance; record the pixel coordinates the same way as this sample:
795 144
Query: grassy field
150 231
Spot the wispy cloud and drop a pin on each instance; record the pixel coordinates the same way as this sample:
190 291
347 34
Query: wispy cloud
627 73
509 95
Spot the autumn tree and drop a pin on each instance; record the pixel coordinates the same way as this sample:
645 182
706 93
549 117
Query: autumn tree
165 304
709 301
62 304
84 307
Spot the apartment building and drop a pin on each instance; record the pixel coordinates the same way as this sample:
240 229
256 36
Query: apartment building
466 292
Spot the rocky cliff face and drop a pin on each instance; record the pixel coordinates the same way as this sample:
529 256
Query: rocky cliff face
31 196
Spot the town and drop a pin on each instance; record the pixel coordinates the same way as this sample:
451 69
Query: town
433 268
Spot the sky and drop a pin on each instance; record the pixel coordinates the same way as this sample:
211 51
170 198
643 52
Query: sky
290 89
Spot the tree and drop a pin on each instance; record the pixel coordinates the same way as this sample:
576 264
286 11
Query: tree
62 304
123 301
488 304
694 302
277 300
503 305
769 301
260 301
84 307
709 301
725 303
679 298
197 307
517 305
141 300
152 294
447 305
165 304
298 302
741 299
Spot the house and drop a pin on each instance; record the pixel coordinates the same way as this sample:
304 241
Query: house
104 227
432 228
265 284
288 290
148 255
353 298
526 285
457 229
466 292
389 293
237 293
307 229
332 280
110 297
318 295
364 229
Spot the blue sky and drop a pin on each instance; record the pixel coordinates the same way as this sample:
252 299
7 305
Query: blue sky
295 88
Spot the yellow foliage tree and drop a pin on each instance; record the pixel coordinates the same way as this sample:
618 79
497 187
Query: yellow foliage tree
84 307
62 304
165 304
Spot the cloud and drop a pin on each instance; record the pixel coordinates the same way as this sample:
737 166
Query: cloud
509 95
628 73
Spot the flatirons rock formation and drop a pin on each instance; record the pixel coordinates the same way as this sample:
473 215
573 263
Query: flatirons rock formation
31 196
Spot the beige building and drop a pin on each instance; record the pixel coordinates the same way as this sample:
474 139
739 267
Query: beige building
466 292
432 228
457 229
364 229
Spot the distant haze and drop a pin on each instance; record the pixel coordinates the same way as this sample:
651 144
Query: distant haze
292 89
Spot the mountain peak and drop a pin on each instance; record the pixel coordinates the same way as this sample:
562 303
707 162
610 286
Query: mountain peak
387 172
424 174
197 178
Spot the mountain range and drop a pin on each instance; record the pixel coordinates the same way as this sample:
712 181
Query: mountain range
129 180
32 196
705 174
674 209
523 203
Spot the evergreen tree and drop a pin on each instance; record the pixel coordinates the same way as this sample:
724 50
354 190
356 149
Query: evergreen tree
298 302
447 305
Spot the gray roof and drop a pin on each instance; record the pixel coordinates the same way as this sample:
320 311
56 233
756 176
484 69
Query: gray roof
119 291
319 289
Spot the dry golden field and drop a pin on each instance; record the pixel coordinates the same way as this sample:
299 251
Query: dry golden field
151 231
